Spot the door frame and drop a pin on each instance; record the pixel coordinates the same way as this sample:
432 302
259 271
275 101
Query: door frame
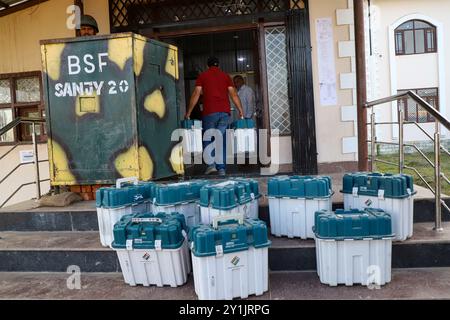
262 70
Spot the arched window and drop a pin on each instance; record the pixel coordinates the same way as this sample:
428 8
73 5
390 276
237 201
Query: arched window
415 37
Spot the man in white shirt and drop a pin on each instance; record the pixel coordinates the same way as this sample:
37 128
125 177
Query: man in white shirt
247 96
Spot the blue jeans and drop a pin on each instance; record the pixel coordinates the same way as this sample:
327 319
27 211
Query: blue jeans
219 121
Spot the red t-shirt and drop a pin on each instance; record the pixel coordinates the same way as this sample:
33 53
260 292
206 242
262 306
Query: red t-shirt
215 84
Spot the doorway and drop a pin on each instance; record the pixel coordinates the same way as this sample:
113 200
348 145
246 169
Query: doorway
238 53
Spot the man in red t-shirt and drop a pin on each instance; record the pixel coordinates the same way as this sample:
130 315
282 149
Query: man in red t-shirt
216 87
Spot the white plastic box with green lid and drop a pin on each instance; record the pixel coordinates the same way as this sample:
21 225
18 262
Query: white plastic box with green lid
230 258
293 201
232 197
129 196
153 249
353 247
392 193
180 197
245 136
192 137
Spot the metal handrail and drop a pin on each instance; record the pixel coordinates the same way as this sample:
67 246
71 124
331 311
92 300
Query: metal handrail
435 113
440 119
17 167
18 189
418 126
13 124
18 121
9 151
420 176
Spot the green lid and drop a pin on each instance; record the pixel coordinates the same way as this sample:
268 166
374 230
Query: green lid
300 187
244 124
353 224
112 197
176 193
369 184
254 185
233 237
227 195
150 231
191 124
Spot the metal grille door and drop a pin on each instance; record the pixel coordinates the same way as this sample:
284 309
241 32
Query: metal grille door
277 79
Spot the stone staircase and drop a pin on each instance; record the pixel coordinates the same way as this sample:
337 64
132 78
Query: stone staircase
52 239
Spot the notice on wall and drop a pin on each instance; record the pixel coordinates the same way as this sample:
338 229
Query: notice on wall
327 67
26 156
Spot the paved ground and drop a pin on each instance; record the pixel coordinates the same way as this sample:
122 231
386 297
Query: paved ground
406 284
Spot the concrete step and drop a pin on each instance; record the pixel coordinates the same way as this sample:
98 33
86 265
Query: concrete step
83 216
80 216
56 251
432 283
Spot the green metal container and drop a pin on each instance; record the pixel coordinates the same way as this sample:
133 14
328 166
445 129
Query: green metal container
112 103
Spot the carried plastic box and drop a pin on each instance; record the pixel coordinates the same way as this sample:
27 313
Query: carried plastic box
354 247
231 197
153 249
293 202
230 260
392 193
245 136
179 197
115 202
192 137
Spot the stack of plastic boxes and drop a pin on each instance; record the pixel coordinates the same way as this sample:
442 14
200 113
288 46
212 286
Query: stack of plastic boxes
392 193
293 202
113 203
230 258
192 137
229 198
354 247
245 136
153 249
179 197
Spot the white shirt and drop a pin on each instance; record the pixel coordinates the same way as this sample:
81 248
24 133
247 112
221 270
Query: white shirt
248 100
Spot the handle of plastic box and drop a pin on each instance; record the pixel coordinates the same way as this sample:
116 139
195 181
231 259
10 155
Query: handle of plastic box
133 180
236 217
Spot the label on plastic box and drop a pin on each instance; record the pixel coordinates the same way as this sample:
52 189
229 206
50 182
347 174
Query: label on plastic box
219 250
140 220
158 245
129 244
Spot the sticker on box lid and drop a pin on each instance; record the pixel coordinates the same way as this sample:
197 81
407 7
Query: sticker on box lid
129 244
219 250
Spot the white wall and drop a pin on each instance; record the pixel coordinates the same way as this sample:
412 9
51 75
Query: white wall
336 125
412 71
